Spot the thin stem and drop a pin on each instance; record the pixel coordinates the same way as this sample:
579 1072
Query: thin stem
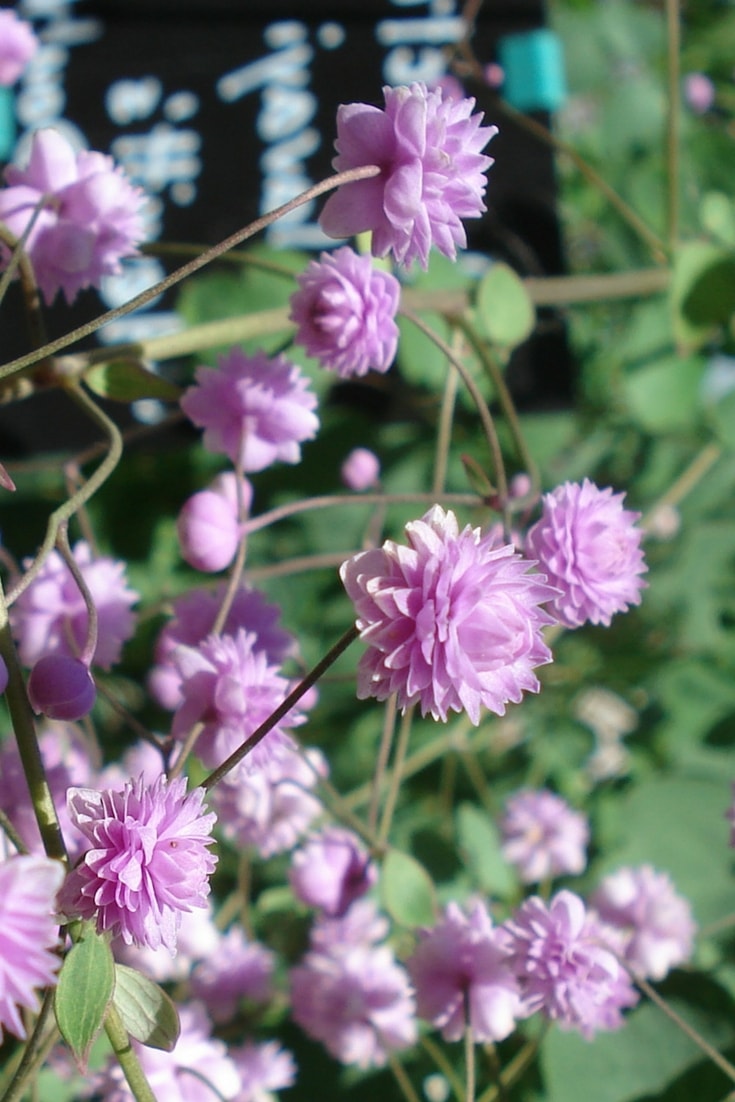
469 1063
21 261
283 709
386 742
433 1050
404 1083
687 480
514 1069
480 404
300 564
673 118
127 1057
391 799
444 430
86 655
11 833
37 1048
133 723
294 508
194 265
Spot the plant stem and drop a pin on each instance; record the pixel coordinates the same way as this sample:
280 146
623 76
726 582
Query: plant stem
404 734
434 1051
469 1063
404 1083
386 742
37 1048
127 1057
673 118
293 508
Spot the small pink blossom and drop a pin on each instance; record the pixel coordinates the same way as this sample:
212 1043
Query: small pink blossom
588 545
699 92
18 44
428 147
331 870
235 970
543 837
360 470
148 860
263 1068
452 622
253 409
89 220
208 525
345 312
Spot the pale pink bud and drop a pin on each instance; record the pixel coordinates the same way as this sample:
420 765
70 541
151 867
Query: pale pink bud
360 470
208 527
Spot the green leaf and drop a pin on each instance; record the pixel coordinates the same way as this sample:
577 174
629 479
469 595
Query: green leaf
505 313
723 418
407 890
702 292
83 994
128 380
664 395
717 212
147 1012
479 843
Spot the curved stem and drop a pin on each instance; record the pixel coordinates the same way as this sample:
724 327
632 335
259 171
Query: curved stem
293 508
198 262
86 655
21 261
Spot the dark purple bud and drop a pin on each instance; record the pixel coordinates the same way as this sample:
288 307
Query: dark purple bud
61 687
3 676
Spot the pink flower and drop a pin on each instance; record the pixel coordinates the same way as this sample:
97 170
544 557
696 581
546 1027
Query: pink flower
50 616
89 220
588 546
148 859
543 837
657 924
345 313
228 685
360 470
428 147
236 970
208 526
357 1001
331 871
361 924
253 409
197 937
18 44
28 934
451 622
263 1068
699 92
566 965
460 967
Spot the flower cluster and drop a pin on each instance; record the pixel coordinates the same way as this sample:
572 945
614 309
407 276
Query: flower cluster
543 837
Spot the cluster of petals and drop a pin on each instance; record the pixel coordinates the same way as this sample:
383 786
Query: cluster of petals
566 963
197 937
428 147
543 837
235 970
332 870
345 312
28 935
50 616
18 44
452 622
87 214
270 808
656 922
588 545
148 859
209 525
462 975
229 686
194 614
264 1068
253 409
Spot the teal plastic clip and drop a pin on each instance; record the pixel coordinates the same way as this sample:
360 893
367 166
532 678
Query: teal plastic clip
533 63
7 123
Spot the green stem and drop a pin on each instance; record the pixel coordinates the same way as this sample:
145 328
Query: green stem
469 1063
404 1083
127 1057
386 742
673 119
514 1069
194 265
433 1050
36 1049
444 431
391 799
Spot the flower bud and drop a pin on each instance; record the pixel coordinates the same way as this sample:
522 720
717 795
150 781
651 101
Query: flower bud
208 528
61 687
360 470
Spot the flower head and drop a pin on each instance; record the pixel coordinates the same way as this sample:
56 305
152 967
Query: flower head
253 409
345 313
235 970
587 545
428 147
18 44
89 214
543 837
331 871
28 934
50 616
452 622
566 964
264 1068
360 470
148 859
461 967
656 922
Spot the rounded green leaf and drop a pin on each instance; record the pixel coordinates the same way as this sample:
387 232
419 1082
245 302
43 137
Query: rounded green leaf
407 890
703 292
480 845
665 395
128 380
147 1012
85 988
505 312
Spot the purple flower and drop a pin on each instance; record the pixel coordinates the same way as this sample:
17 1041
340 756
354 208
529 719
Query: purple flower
362 924
18 44
699 92
228 685
428 148
253 409
197 937
89 220
460 967
263 1068
587 545
656 922
148 859
543 837
345 313
194 616
331 871
235 970
198 1070
360 470
208 526
566 964
357 1001
50 616
28 934
271 808
451 622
